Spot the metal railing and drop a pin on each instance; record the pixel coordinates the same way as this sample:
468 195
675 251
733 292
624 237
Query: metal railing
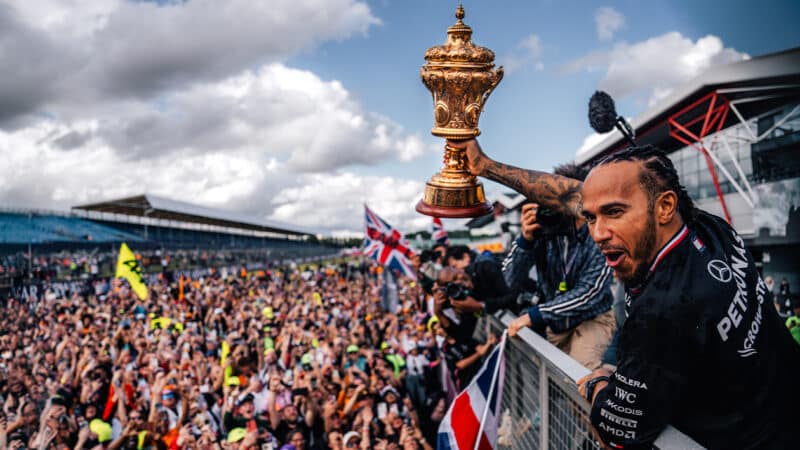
541 407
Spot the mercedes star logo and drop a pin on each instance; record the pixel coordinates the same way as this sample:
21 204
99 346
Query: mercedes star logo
719 269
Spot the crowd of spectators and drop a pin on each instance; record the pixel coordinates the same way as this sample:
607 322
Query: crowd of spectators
87 264
287 358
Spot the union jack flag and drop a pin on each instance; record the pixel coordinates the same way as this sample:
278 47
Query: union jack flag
386 245
439 233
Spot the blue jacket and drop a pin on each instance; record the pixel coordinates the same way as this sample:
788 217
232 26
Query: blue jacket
588 278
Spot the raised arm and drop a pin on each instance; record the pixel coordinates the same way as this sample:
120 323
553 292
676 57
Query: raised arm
557 193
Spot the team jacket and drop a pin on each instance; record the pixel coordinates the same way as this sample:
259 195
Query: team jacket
588 280
702 349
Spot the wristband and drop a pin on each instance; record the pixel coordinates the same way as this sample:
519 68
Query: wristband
591 384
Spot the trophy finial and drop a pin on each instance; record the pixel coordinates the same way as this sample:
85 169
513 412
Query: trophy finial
460 13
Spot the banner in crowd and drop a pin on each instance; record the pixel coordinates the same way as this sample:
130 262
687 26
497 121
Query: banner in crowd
129 269
385 244
38 290
439 234
471 422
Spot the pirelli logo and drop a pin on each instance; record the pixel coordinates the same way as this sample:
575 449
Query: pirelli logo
625 422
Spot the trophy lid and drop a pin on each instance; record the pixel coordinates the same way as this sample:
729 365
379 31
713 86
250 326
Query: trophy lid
459 47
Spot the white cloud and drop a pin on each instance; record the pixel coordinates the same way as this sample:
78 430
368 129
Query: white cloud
231 143
528 51
590 141
321 195
608 21
189 100
655 66
114 49
533 44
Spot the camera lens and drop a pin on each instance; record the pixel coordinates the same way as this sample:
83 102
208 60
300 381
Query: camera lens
456 291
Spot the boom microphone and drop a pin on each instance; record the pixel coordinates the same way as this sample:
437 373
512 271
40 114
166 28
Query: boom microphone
603 116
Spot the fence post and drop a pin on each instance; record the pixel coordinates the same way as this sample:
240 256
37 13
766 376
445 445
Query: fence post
544 407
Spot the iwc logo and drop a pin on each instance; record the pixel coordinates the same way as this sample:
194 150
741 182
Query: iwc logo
720 270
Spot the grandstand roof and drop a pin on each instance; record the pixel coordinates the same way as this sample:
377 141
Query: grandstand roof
506 201
152 206
758 84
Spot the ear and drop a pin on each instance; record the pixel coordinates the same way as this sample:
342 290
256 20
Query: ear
666 207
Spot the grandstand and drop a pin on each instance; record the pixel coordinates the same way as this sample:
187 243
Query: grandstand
149 222
36 228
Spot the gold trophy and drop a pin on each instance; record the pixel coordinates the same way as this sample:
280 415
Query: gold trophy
460 76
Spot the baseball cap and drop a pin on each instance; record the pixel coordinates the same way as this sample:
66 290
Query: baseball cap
305 359
244 399
101 429
350 435
169 391
236 434
432 321
352 348
389 390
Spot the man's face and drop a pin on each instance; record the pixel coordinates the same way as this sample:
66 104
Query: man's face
620 220
298 441
247 409
462 263
451 275
290 413
169 401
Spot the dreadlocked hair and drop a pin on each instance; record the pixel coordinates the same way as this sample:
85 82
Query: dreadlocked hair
658 175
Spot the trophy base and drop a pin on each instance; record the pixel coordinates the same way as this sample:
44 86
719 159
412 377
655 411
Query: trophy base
454 202
453 213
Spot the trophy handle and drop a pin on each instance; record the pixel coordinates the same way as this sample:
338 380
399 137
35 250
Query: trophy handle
498 76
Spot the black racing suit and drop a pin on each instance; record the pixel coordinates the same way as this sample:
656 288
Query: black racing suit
702 349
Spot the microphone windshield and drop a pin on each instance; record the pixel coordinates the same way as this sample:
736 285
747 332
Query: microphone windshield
602 115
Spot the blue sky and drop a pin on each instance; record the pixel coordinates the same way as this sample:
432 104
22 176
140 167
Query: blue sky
303 110
534 118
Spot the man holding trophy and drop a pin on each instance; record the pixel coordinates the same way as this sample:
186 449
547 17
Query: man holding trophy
707 356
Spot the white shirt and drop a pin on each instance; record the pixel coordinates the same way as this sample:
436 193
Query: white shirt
415 365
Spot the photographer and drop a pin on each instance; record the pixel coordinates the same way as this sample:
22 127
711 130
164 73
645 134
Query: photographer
486 273
477 286
454 304
456 309
574 282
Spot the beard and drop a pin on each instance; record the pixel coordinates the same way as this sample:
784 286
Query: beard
642 254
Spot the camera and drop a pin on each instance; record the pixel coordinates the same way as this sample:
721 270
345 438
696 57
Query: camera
553 223
457 291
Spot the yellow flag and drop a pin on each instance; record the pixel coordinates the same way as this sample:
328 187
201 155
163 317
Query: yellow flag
128 268
226 350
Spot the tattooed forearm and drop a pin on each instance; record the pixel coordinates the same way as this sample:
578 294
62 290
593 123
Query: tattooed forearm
558 193
503 176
